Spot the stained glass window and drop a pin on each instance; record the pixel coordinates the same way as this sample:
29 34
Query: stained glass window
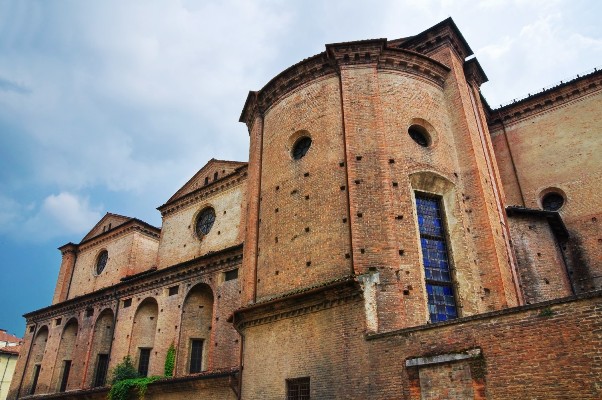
205 221
101 261
439 287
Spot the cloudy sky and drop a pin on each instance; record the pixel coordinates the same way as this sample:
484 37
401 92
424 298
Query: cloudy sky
113 105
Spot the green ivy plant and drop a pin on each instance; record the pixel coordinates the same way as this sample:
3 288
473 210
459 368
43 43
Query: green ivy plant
170 360
125 377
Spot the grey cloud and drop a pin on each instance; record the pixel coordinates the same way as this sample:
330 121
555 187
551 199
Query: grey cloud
10 86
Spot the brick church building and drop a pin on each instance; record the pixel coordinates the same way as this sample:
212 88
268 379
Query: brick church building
390 237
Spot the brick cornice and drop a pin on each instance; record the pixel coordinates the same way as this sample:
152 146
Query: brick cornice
492 315
547 100
444 33
329 63
216 261
474 72
133 225
413 63
223 184
301 302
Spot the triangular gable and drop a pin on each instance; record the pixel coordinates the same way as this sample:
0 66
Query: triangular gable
212 171
109 221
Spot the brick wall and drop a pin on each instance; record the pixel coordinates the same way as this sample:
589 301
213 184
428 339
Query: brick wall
556 146
129 253
549 351
93 315
179 240
542 271
304 228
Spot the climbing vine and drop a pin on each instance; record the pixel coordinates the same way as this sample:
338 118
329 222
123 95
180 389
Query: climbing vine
120 390
125 378
170 360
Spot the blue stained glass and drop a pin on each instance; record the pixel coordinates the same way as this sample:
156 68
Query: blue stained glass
442 305
441 300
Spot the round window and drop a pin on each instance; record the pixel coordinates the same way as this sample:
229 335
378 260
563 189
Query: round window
420 135
101 261
552 201
301 147
205 221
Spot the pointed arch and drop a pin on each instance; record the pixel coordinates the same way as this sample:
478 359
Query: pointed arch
143 334
197 319
102 336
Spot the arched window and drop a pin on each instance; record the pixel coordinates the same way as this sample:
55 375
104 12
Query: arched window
435 258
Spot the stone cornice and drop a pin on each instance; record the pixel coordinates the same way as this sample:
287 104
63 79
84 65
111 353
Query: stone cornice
546 100
303 301
329 63
133 225
216 261
204 192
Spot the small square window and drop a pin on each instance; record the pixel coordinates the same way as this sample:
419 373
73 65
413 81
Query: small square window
297 389
230 275
174 290
58 321
127 303
89 312
32 328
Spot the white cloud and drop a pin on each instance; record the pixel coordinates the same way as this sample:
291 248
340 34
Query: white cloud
495 51
72 213
58 215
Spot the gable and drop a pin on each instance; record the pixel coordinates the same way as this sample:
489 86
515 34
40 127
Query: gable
109 221
212 171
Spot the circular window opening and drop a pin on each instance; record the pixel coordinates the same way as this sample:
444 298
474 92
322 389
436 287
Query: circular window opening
552 201
101 261
205 221
301 147
419 135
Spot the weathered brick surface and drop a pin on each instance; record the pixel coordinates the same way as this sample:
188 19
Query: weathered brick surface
331 284
557 145
134 329
545 352
129 253
303 229
179 240
543 274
